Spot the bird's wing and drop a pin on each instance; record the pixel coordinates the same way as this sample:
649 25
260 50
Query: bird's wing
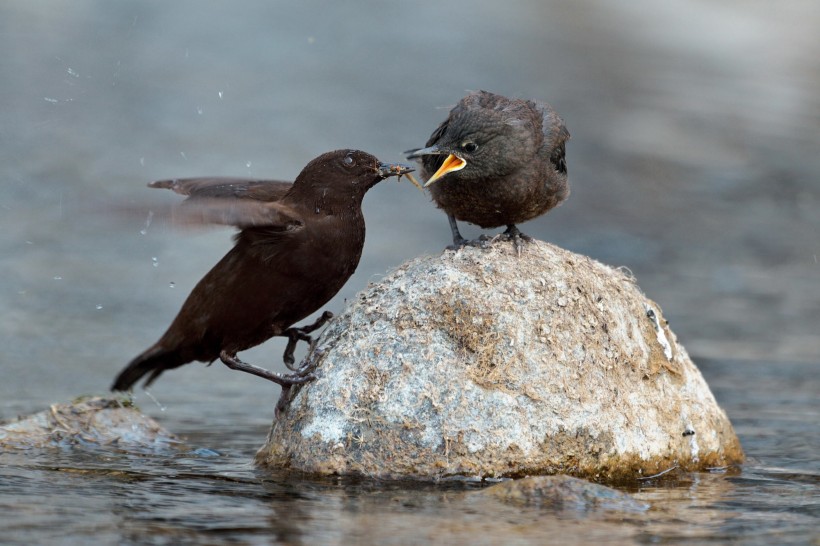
437 134
431 163
225 188
272 216
555 135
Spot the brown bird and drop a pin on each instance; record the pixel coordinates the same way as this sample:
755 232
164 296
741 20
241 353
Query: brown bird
496 162
298 245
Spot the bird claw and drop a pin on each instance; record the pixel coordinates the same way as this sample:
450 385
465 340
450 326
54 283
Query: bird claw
285 380
518 244
299 378
514 234
295 335
485 241
481 242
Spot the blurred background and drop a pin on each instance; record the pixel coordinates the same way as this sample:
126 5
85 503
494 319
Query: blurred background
694 161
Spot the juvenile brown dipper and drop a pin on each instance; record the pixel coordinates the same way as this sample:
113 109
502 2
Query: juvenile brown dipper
496 162
298 245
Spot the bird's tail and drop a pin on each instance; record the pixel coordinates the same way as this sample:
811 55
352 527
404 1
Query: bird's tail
154 361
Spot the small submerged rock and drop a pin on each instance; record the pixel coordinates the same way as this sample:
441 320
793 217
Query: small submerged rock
481 363
87 421
562 492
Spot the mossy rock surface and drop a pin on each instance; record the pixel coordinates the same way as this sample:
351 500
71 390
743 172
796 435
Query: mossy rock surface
482 363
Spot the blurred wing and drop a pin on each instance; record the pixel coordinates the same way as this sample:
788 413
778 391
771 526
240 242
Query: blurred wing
225 188
274 217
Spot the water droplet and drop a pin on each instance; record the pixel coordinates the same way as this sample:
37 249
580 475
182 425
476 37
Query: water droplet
311 40
248 164
144 230
151 396
220 94
171 284
183 155
154 261
49 99
57 278
72 72
199 110
142 162
99 306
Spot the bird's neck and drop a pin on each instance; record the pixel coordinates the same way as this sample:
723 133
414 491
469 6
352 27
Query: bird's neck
322 201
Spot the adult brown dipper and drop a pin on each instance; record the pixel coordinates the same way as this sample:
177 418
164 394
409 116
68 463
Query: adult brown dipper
496 162
298 245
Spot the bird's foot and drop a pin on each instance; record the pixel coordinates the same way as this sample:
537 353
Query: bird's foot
517 238
459 241
305 371
285 380
295 335
481 242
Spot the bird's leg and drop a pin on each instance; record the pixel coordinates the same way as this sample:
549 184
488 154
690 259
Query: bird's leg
458 240
294 335
513 232
285 380
284 396
517 238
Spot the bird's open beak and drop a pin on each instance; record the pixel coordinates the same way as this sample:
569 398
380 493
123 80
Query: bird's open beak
387 170
452 163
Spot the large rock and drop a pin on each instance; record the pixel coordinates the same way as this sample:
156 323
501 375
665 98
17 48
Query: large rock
478 362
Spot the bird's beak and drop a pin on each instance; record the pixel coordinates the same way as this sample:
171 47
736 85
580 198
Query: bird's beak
418 152
451 163
387 170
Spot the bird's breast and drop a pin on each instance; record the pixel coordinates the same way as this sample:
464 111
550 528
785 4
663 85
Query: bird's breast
333 244
494 202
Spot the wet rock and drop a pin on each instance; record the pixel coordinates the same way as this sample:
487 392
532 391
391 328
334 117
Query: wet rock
90 421
481 363
562 492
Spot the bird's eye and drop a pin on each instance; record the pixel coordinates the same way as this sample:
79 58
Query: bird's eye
469 146
349 160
